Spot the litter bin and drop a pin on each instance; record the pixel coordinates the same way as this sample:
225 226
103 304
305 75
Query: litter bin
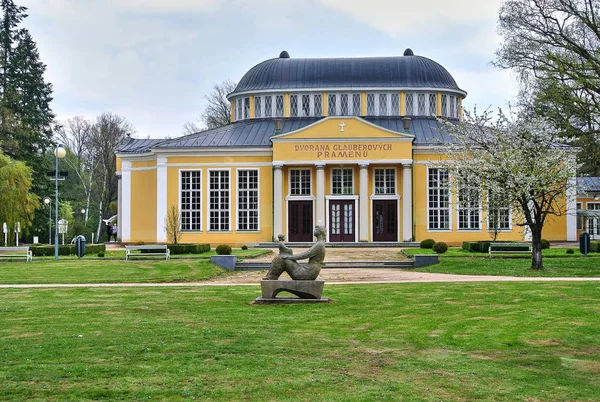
80 246
584 243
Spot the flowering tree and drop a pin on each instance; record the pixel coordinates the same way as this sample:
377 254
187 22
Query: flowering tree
523 160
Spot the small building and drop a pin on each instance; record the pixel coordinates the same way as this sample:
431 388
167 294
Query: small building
349 143
588 206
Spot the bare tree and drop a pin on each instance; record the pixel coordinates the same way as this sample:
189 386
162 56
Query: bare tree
173 224
218 111
108 133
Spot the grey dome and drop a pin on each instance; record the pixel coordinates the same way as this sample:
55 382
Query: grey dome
360 72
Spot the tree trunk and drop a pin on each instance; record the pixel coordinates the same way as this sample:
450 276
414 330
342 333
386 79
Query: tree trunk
536 247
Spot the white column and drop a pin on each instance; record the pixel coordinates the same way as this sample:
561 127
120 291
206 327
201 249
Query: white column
407 203
364 202
161 199
119 207
125 223
572 209
320 195
277 201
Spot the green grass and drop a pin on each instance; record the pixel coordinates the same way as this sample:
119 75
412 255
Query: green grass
459 252
430 342
113 271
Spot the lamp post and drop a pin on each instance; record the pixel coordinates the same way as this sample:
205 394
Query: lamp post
59 153
48 201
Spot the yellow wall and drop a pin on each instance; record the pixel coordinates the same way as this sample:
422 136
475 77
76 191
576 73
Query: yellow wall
143 205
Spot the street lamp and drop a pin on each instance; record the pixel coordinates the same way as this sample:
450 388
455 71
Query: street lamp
59 153
48 201
82 213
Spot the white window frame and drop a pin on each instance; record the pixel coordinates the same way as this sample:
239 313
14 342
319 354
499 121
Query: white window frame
508 211
313 111
246 101
270 97
468 208
258 107
386 185
208 208
409 107
596 207
445 105
449 208
190 210
279 112
432 106
343 185
310 175
294 99
238 198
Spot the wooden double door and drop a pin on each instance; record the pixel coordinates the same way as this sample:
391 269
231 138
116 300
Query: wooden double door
300 221
385 220
342 221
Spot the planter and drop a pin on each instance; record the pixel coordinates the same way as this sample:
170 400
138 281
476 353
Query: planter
423 260
225 261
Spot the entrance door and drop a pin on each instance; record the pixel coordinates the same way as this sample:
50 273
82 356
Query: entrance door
341 221
300 221
385 220
593 223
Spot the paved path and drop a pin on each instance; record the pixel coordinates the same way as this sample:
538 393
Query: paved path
330 276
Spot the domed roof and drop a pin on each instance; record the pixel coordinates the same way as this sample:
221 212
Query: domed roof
406 71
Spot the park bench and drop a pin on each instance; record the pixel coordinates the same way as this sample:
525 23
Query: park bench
154 249
509 248
16 252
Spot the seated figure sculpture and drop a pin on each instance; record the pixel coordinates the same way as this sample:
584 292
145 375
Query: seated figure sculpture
287 262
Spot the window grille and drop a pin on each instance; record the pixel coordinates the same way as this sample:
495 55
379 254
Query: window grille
332 104
257 107
371 105
343 104
385 181
438 199
305 105
356 105
421 105
293 105
341 181
317 105
383 105
432 104
246 108
191 200
268 106
238 113
278 105
248 199
498 212
219 200
395 105
468 207
300 181
452 106
408 99
593 224
445 105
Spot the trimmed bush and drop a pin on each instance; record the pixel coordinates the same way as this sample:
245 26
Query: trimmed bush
185 248
570 251
244 247
427 243
595 246
440 247
545 244
101 254
94 248
223 249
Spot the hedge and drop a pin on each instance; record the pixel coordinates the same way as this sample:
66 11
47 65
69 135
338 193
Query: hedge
67 249
595 246
484 246
185 248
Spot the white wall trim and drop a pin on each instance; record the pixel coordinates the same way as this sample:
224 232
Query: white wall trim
161 200
346 90
344 162
219 164
126 204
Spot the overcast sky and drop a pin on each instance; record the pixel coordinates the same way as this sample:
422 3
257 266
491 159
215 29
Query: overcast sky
152 61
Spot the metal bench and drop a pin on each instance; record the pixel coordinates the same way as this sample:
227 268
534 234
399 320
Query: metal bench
156 249
16 252
509 248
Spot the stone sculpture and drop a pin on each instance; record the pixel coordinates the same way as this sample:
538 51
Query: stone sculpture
286 261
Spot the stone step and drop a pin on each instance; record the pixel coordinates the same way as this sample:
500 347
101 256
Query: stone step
257 266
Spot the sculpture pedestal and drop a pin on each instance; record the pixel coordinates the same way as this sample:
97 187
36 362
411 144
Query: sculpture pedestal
307 291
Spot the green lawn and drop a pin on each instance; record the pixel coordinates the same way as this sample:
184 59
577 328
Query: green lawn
120 255
430 342
113 271
459 252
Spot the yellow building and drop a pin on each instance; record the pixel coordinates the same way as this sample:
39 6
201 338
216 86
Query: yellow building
349 143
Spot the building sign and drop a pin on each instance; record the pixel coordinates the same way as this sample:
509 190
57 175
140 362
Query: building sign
343 150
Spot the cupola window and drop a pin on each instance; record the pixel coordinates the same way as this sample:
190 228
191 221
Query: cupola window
257 107
395 105
332 104
279 105
305 105
293 105
408 98
356 104
432 104
317 105
445 105
268 106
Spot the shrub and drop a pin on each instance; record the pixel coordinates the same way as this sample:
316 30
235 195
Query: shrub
440 247
223 249
101 254
427 243
191 248
94 248
466 245
570 251
244 247
202 248
545 244
595 246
